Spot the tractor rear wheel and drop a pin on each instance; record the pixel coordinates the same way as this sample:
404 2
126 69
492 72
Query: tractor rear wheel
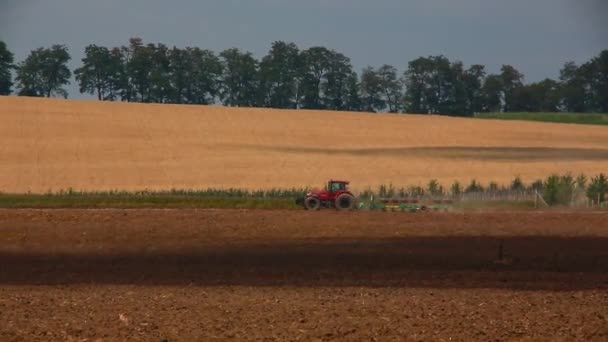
312 203
345 202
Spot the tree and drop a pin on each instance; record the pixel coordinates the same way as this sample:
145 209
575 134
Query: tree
558 189
160 74
180 63
417 80
314 68
338 81
434 188
326 80
439 84
456 99
512 81
573 89
353 96
139 67
492 94
434 85
371 91
127 91
598 188
195 76
6 66
472 82
44 72
599 82
391 87
537 97
240 83
99 72
280 74
206 76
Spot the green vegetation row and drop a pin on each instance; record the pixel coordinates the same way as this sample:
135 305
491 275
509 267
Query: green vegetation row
574 118
293 78
555 190
210 198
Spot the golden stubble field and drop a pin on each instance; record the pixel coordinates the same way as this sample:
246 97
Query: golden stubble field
49 144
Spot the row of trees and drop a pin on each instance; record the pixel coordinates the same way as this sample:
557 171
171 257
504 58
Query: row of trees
315 78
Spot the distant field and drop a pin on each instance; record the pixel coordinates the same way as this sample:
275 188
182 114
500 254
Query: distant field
49 145
575 118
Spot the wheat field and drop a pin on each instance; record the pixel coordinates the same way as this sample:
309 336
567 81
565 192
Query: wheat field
50 145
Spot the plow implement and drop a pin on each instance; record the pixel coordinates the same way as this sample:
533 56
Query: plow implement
408 205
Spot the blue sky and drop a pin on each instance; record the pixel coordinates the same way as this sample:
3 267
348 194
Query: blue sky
536 36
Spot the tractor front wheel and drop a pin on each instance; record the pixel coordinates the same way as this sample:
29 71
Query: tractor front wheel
312 203
345 202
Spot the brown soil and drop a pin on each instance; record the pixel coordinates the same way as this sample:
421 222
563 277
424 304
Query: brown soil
221 274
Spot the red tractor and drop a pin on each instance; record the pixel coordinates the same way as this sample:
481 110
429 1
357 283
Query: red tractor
336 195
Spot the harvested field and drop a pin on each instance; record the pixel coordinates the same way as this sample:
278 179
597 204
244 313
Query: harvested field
219 274
48 144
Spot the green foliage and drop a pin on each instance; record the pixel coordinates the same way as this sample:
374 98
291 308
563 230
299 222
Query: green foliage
117 201
474 186
44 72
415 191
401 193
315 78
210 198
492 95
558 190
517 184
385 191
279 73
338 88
456 188
598 188
327 81
381 89
433 86
512 83
391 88
581 181
434 188
100 72
6 66
371 91
240 81
538 186
537 97
574 118
599 82
366 194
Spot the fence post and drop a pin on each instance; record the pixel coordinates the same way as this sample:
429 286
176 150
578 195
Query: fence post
541 198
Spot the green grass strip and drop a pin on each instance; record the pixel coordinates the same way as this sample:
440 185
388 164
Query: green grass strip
141 201
572 118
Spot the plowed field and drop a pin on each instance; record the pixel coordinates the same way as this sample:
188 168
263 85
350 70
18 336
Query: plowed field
223 274
86 145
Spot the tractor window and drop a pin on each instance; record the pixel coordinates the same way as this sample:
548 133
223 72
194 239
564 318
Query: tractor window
337 187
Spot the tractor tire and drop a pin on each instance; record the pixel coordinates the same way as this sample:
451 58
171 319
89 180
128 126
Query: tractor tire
345 202
312 203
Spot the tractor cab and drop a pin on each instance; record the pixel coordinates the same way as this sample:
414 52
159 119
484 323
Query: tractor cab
337 186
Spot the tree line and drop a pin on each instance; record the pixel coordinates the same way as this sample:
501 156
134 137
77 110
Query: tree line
288 77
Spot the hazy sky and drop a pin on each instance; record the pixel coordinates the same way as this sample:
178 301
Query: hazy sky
536 36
